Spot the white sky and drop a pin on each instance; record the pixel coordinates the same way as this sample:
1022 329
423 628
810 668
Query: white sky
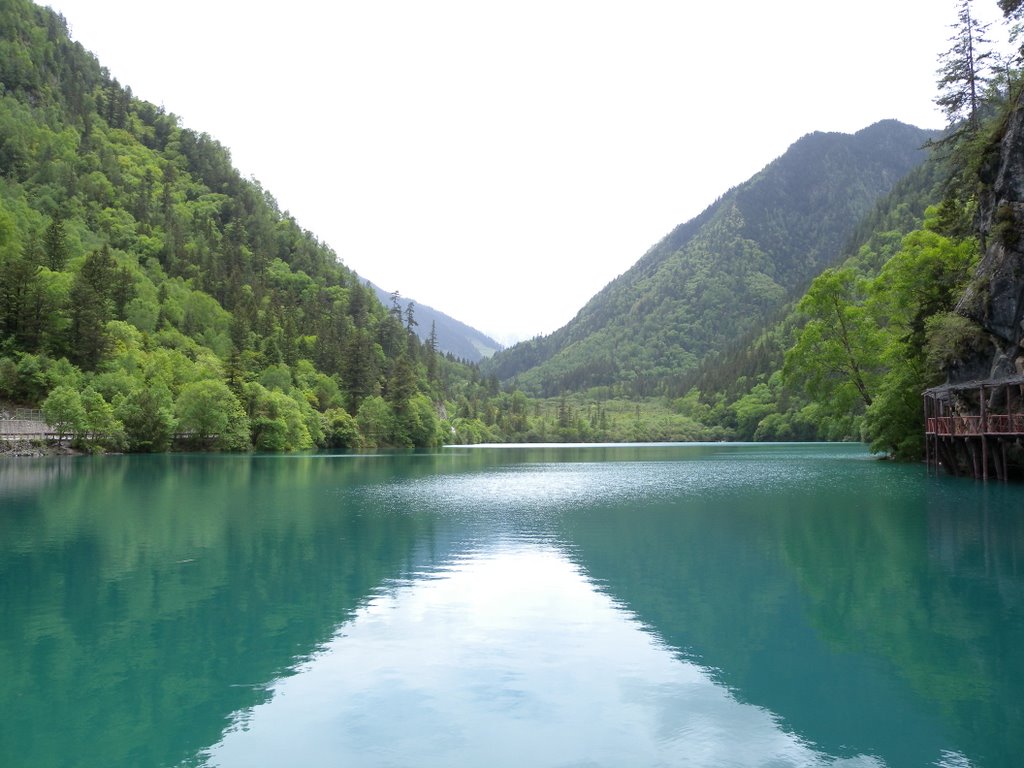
502 162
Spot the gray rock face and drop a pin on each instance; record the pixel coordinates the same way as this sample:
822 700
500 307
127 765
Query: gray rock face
995 299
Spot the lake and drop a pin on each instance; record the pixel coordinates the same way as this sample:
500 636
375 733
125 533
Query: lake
651 605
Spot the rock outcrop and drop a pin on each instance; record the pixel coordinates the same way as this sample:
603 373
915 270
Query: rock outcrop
995 298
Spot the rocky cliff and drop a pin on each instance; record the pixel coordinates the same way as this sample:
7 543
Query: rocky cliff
995 298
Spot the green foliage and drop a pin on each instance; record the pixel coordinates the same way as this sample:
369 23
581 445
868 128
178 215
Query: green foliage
211 416
29 378
894 422
340 429
277 377
752 408
277 421
950 338
421 424
925 277
837 355
376 421
470 432
872 345
147 413
101 426
64 412
140 273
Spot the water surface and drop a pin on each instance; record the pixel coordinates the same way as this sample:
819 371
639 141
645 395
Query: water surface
708 605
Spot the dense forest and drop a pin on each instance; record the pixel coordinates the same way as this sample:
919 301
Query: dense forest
151 297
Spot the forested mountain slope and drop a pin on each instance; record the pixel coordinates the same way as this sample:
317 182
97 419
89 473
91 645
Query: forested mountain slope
723 273
730 371
150 293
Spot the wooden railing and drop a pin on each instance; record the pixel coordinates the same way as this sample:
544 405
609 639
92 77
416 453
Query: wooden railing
991 424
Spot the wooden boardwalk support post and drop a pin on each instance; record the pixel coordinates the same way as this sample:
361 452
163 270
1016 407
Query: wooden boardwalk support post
975 420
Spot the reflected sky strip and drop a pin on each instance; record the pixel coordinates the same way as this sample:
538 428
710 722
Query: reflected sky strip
509 656
543 488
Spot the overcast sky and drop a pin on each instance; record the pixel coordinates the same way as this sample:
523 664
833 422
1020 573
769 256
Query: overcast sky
503 161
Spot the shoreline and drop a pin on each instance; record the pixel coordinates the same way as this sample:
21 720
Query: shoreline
33 449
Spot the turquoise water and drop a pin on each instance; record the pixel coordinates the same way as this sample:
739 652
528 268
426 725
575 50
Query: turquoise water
698 605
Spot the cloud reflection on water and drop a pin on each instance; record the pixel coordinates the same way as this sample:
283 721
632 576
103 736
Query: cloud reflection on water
507 656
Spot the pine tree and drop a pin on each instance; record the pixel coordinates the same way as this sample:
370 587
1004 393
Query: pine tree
361 369
89 311
54 245
964 71
432 352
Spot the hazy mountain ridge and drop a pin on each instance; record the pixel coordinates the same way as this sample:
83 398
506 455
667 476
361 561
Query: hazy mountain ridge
453 336
713 277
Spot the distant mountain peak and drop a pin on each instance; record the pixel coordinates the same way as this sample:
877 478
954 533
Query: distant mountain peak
719 274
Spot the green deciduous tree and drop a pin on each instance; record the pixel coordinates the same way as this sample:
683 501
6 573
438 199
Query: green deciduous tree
419 422
865 347
64 412
921 281
211 415
277 421
837 357
376 421
925 277
894 423
340 429
102 427
147 413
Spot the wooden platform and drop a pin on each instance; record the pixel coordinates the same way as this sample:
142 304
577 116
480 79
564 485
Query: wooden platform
970 427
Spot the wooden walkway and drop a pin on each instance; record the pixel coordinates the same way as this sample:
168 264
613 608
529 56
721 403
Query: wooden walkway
970 428
17 424
28 433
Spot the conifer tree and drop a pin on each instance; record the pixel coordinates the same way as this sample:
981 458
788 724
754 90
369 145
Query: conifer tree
432 352
964 70
17 276
54 246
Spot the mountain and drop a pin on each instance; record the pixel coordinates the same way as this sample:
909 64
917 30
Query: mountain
720 275
453 337
149 293
757 354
